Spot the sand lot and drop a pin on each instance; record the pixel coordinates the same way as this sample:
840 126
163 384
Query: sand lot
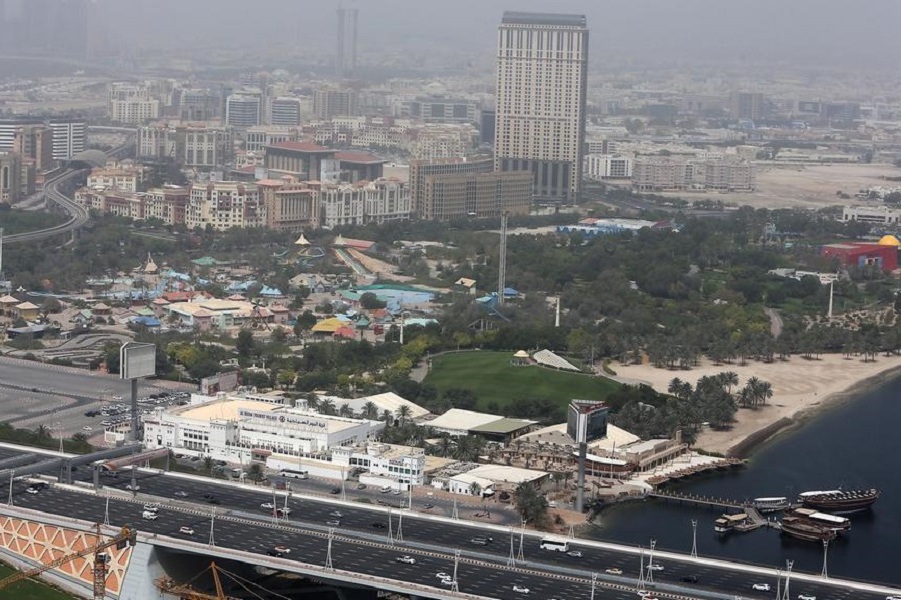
807 186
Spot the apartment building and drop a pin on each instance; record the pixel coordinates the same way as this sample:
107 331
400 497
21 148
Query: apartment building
289 205
197 146
608 166
284 111
420 169
542 62
35 141
119 177
328 103
222 205
243 110
362 203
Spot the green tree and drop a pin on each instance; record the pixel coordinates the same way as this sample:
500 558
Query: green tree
245 344
475 489
532 505
255 473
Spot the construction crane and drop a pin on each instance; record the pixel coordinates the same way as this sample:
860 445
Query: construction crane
124 537
186 592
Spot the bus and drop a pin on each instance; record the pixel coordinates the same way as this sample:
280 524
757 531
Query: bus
294 474
557 545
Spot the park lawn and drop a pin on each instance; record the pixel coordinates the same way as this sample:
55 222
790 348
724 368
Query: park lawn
30 590
491 377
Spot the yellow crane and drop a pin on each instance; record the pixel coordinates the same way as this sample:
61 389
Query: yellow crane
125 536
186 592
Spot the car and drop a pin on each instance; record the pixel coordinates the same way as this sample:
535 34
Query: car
268 505
377 525
428 506
186 530
336 513
333 523
689 578
181 494
385 489
149 515
151 508
106 423
806 597
409 560
448 581
396 492
32 490
274 553
88 428
613 571
520 589
442 575
761 587
656 567
361 486
480 541
212 500
282 549
575 553
335 491
132 488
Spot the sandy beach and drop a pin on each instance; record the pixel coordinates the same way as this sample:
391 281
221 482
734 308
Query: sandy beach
800 388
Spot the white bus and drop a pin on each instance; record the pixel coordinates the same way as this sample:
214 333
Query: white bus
294 474
552 544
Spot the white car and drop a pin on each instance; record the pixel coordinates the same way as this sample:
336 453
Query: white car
133 488
447 581
31 490
519 589
181 494
151 508
806 597
186 530
150 516
613 571
336 513
761 587
406 560
88 428
267 505
442 575
656 567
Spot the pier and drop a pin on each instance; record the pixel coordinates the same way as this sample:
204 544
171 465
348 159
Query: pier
755 519
689 471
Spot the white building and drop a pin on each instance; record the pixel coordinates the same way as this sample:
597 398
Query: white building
284 111
134 110
402 465
241 430
608 166
243 110
877 215
364 202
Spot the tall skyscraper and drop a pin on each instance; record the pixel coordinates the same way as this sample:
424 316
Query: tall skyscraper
542 67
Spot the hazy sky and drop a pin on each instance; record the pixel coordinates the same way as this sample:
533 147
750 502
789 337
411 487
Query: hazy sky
853 33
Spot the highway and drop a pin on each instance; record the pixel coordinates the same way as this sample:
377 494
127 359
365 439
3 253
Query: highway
367 523
78 215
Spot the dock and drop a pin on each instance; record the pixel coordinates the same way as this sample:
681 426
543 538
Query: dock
690 471
755 519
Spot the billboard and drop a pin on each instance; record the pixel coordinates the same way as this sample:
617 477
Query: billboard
137 360
586 420
220 382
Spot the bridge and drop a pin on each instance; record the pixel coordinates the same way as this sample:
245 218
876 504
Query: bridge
358 550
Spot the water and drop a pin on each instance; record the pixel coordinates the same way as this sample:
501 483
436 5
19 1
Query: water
851 446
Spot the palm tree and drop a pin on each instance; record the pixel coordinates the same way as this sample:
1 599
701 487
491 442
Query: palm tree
403 413
370 410
387 417
445 445
729 378
765 391
345 410
43 432
326 406
475 489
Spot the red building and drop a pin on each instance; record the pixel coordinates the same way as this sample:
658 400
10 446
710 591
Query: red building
863 255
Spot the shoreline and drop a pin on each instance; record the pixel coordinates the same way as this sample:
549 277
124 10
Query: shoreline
803 389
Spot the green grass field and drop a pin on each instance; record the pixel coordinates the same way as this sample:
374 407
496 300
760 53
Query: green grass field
491 377
29 590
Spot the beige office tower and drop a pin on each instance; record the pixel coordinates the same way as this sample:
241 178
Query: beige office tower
542 62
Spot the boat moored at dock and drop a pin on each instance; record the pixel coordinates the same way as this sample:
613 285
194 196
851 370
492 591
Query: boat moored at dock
833 522
771 504
840 502
805 530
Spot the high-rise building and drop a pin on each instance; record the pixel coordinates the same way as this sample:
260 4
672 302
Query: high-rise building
747 105
329 103
243 110
542 62
284 111
69 137
476 195
35 142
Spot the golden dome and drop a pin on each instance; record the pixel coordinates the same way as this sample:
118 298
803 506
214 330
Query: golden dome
889 240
